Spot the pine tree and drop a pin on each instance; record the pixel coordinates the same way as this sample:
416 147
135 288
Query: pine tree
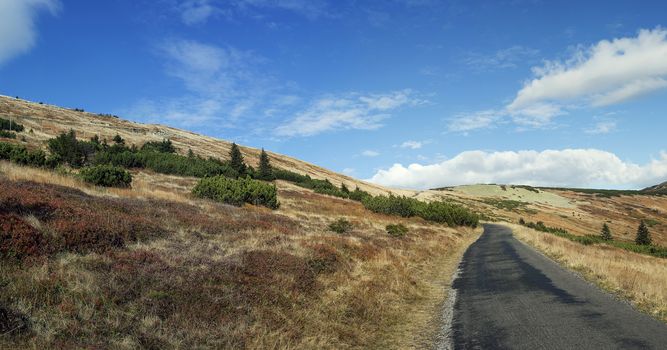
606 232
190 153
643 236
265 170
344 188
236 160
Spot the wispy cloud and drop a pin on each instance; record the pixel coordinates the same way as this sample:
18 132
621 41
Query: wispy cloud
200 11
370 153
223 84
350 111
476 120
510 57
568 167
17 25
603 127
412 144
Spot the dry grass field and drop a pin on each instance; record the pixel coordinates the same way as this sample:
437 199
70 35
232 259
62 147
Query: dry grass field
151 267
635 277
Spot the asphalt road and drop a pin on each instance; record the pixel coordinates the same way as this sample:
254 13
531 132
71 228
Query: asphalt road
511 297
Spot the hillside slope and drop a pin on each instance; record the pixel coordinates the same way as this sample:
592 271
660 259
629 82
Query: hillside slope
155 266
47 121
660 189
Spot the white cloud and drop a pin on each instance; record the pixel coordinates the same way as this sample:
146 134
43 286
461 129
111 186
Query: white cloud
351 111
603 74
567 168
603 127
370 153
606 73
17 25
412 144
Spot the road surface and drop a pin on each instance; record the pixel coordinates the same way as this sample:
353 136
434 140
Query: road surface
509 296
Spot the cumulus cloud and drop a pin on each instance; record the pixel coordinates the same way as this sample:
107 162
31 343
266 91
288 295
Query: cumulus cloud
17 25
606 73
352 111
412 144
567 168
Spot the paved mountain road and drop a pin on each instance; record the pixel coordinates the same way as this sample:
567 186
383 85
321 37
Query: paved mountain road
508 296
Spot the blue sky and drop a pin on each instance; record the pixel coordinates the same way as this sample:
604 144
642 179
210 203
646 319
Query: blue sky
407 93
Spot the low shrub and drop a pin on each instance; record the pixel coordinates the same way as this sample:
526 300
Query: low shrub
164 146
7 134
397 230
106 175
21 155
237 191
340 226
439 211
10 126
320 186
67 149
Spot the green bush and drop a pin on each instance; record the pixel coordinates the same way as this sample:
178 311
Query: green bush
106 175
237 191
340 226
164 146
65 148
7 134
442 212
21 155
11 126
398 230
290 176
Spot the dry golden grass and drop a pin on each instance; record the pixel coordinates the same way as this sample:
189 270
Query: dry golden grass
216 276
143 185
638 278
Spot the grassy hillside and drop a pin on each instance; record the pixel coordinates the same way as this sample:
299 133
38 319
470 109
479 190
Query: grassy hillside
44 121
150 264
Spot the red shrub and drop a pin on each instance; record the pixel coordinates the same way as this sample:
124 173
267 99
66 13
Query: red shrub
17 238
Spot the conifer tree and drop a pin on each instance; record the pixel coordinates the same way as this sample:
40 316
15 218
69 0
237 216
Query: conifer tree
606 232
643 236
236 160
265 170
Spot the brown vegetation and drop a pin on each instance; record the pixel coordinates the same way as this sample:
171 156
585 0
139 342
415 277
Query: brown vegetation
85 267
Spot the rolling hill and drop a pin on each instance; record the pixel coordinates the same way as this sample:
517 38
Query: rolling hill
154 266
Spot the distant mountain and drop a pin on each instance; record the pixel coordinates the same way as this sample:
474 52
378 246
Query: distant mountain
661 188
